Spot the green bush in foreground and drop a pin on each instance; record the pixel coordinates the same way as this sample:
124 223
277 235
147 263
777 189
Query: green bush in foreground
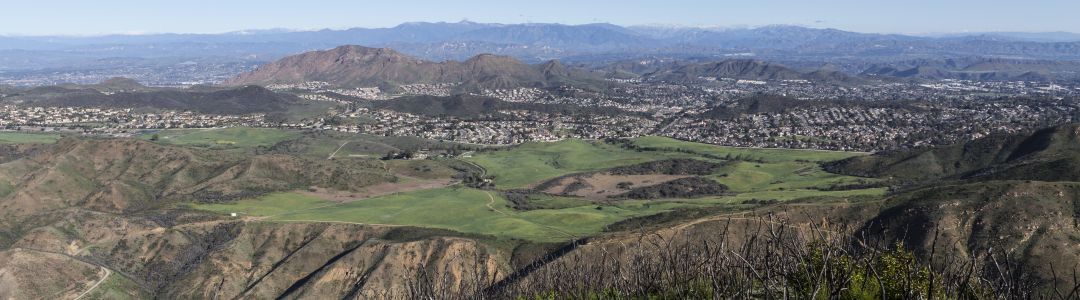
894 274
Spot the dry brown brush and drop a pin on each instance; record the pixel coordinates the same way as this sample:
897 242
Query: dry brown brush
754 259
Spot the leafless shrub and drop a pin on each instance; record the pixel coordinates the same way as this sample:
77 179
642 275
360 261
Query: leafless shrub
760 259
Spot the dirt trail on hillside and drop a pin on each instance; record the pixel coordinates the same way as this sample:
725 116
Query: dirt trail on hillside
98 283
491 205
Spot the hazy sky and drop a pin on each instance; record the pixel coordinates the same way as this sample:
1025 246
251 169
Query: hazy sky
82 17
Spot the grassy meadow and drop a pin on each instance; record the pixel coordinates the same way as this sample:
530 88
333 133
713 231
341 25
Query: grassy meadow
758 175
28 138
745 177
268 205
473 211
533 162
456 208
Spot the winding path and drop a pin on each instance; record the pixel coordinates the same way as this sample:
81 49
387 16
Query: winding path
483 171
108 272
99 282
336 151
491 205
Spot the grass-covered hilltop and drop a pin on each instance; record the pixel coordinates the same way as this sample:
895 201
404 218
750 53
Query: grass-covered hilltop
257 213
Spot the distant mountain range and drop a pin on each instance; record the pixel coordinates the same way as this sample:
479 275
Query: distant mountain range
357 66
746 69
978 69
1051 37
534 43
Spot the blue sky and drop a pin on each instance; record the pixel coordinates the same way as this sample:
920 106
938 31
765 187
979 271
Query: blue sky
85 17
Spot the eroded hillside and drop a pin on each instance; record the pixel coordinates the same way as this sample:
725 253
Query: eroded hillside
275 217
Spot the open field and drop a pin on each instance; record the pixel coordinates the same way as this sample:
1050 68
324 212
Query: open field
466 210
223 138
28 138
456 208
268 205
532 162
781 169
771 175
779 176
482 212
381 189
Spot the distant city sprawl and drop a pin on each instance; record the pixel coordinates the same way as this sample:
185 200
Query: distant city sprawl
783 114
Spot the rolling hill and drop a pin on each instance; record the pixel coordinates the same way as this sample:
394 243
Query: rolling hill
357 66
123 93
977 68
152 218
124 176
1001 194
1037 223
754 104
1046 155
